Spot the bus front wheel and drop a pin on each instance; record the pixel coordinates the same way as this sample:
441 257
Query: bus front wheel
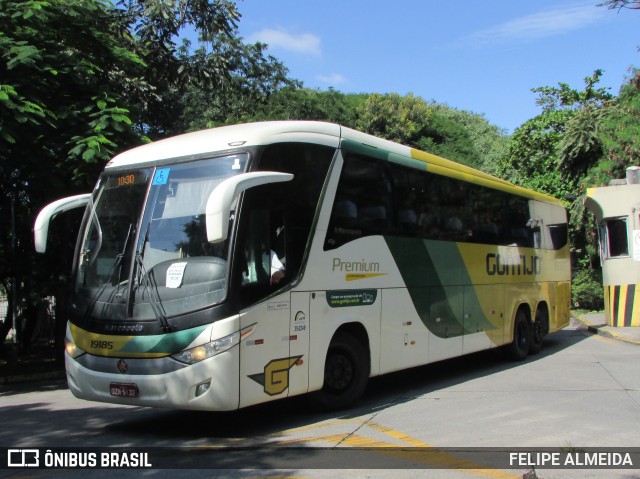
346 372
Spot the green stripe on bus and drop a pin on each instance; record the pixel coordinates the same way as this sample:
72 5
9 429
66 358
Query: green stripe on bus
163 343
439 285
362 149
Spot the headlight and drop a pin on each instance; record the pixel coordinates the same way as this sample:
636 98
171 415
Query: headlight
208 350
71 348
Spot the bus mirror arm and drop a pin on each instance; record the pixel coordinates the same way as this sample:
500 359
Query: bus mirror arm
225 194
41 226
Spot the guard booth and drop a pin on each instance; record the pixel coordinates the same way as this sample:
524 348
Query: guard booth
617 211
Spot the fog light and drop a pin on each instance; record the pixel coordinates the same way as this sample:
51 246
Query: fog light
202 388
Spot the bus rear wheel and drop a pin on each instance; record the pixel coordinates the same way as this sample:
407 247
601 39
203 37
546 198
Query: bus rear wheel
346 372
539 329
518 349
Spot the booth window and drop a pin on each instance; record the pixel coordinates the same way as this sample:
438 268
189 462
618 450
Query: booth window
614 238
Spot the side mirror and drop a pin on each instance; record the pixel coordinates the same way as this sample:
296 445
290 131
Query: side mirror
225 194
41 226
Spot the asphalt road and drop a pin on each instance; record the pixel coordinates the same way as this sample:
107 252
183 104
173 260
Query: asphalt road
581 391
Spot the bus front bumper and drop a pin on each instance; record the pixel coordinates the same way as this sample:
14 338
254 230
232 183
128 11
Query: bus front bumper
212 384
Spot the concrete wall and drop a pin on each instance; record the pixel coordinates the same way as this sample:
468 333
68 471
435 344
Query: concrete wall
613 206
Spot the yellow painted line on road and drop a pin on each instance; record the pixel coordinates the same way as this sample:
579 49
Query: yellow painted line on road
412 441
272 477
427 454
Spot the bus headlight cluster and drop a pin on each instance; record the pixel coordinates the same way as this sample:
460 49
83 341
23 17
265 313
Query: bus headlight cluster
71 348
208 350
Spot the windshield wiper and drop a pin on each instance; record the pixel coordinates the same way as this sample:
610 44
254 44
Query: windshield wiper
117 264
151 287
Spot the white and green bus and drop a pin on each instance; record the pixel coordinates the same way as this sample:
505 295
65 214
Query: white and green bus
229 267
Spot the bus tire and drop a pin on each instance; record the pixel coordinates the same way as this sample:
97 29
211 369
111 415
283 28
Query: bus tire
346 373
539 330
518 349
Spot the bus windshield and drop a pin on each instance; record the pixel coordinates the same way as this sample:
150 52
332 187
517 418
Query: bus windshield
144 253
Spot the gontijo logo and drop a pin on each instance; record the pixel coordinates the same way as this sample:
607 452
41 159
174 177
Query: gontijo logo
505 265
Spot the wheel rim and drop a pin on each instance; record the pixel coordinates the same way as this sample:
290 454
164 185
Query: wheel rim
522 339
537 332
338 372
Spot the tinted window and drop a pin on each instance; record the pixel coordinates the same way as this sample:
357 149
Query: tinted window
277 219
378 197
617 237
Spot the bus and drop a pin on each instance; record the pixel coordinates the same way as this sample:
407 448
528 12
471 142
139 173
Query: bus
228 267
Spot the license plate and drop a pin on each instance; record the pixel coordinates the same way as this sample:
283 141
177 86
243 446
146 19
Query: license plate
126 390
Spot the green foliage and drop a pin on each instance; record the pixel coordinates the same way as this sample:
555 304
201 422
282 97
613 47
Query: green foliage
620 134
532 155
66 67
582 138
437 129
251 81
556 152
563 96
587 291
488 142
295 103
81 80
580 146
618 4
59 56
552 151
16 110
449 139
396 118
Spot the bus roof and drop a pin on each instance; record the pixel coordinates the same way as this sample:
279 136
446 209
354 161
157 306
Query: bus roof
226 138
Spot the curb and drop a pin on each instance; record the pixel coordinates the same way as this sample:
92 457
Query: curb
597 329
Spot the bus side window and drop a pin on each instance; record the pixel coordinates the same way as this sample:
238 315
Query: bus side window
363 202
262 254
255 269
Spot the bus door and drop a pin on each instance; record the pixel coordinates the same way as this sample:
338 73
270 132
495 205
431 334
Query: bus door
299 332
264 355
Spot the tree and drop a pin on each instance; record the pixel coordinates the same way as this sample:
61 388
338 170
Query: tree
81 80
401 119
251 81
172 68
619 4
620 134
489 142
565 97
552 151
297 103
62 116
531 159
555 151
